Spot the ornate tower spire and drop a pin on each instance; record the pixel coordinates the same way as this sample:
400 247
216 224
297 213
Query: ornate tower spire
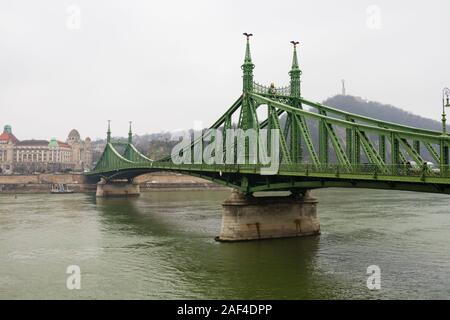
248 66
130 134
108 133
295 73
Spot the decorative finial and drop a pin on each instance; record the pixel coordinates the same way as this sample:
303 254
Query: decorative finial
248 56
294 57
248 66
130 133
295 72
248 35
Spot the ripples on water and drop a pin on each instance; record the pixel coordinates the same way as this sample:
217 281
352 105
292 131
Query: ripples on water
161 245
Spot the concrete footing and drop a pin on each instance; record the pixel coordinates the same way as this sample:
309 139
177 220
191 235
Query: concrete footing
117 189
245 217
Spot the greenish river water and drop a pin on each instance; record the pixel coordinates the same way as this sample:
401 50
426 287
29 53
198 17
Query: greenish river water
161 246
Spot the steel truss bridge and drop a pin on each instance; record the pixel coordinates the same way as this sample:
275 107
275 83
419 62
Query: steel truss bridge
351 150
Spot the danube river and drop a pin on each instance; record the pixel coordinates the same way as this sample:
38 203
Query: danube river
161 246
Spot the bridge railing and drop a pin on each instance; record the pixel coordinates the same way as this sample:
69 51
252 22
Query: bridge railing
361 169
369 169
262 89
366 170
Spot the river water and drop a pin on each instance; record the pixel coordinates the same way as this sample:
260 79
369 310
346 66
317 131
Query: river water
161 246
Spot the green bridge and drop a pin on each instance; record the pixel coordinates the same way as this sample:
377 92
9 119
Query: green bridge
352 151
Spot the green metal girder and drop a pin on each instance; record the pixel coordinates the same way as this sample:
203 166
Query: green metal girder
285 154
416 146
294 138
132 154
349 143
301 124
339 150
356 157
444 156
111 159
323 139
220 122
433 153
432 138
412 151
316 184
370 121
395 149
370 151
382 147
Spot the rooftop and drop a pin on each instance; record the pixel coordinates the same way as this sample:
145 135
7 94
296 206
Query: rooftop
33 143
7 135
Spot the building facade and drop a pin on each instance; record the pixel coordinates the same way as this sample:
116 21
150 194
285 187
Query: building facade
7 142
30 156
81 150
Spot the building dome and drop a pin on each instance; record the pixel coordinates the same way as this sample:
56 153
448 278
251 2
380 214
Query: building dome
7 135
73 136
53 143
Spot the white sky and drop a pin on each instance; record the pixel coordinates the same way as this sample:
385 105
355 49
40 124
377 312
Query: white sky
166 64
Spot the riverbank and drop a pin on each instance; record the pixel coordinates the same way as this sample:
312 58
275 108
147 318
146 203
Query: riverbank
42 183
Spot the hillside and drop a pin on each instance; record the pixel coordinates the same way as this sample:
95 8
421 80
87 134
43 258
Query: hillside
381 111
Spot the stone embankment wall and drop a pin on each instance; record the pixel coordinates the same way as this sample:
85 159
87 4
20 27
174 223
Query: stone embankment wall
43 183
175 181
78 182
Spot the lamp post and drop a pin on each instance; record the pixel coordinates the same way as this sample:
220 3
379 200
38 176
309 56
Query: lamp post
443 143
445 104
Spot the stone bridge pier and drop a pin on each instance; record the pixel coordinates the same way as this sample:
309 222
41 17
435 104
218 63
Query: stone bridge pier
246 217
117 188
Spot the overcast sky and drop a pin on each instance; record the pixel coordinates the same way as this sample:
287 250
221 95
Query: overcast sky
166 64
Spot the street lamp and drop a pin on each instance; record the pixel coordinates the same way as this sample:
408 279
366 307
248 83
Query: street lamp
445 104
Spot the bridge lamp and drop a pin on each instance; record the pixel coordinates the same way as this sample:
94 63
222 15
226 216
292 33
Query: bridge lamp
445 104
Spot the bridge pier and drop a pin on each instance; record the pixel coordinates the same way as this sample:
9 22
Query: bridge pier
245 217
117 189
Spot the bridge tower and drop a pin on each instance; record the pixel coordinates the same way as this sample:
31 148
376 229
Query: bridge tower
249 217
108 133
130 135
248 66
248 111
295 91
362 162
114 187
245 118
295 73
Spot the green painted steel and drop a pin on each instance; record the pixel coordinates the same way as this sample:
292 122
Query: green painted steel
351 151
382 147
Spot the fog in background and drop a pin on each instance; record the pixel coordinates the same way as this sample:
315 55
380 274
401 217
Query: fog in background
166 64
